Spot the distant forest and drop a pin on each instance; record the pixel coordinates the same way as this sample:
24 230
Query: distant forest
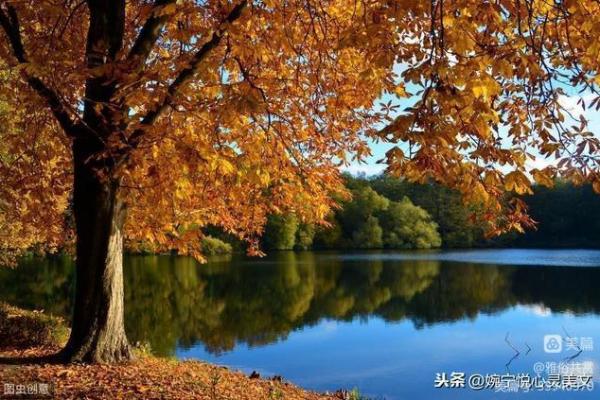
567 216
387 212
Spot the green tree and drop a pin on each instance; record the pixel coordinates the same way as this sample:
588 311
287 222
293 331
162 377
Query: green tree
305 236
567 217
407 226
446 207
368 235
211 246
358 218
329 237
280 232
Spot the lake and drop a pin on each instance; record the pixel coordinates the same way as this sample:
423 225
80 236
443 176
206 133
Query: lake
385 323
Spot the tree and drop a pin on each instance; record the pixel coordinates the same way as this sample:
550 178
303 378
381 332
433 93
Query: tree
212 246
566 215
446 207
407 226
358 217
280 232
492 84
329 236
368 235
145 120
305 236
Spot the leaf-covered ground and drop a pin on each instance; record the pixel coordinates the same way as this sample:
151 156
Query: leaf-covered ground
146 378
152 378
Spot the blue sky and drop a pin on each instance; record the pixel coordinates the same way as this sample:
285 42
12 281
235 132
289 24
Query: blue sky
378 150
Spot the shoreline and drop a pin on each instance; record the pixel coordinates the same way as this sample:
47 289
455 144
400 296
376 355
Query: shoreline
25 334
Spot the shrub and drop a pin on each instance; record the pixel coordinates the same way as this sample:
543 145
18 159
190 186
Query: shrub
212 246
23 329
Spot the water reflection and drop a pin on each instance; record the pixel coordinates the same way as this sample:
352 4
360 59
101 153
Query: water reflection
174 302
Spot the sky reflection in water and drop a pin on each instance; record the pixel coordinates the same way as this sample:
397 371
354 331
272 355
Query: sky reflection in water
382 322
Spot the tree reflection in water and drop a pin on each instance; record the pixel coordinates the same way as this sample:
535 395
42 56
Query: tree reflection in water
173 301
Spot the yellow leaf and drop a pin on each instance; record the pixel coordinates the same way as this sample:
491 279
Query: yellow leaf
542 178
480 193
168 9
596 186
400 91
480 90
517 181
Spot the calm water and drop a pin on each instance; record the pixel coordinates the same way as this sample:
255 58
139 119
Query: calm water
385 323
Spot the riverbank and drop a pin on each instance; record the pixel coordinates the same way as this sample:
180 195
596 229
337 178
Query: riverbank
25 334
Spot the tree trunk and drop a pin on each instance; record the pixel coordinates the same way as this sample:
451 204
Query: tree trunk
97 331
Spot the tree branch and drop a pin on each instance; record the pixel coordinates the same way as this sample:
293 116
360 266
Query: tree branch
186 74
10 25
148 35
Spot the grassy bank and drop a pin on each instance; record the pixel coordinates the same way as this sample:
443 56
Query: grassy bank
33 334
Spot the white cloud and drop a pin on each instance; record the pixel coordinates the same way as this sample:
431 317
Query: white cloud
539 162
367 169
538 309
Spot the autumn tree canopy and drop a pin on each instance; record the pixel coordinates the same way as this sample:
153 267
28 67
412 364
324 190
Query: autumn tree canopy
146 120
222 112
229 111
143 121
491 82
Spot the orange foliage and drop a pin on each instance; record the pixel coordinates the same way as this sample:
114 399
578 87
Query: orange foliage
492 85
225 111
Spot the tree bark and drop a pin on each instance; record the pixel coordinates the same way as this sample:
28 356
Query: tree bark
97 330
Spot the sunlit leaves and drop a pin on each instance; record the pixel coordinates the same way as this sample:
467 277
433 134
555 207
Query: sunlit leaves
262 127
542 177
289 93
500 89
